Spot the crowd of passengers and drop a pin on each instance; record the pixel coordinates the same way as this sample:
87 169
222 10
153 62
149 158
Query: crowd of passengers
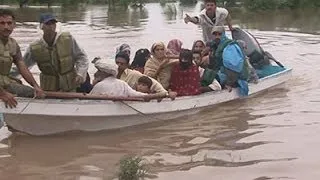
163 71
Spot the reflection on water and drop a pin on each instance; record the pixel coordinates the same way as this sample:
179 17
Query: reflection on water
273 135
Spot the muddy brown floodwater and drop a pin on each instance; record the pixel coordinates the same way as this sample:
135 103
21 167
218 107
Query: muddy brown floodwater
274 135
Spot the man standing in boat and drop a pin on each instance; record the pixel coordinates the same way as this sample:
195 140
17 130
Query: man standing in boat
10 53
63 64
210 17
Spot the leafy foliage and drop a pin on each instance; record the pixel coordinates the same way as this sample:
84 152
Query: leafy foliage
131 168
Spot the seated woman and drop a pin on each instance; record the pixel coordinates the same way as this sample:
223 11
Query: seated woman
174 47
198 46
124 48
185 77
159 66
140 59
106 83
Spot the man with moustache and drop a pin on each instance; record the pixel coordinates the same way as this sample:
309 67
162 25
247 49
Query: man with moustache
227 59
210 17
10 53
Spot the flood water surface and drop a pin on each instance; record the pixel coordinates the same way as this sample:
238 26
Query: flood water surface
273 135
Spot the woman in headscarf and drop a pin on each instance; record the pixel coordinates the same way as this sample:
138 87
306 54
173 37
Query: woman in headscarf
198 46
124 48
174 47
140 59
159 66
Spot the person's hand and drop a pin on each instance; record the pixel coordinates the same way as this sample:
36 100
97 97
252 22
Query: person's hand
163 63
205 51
39 93
229 88
187 19
8 99
146 98
79 80
172 95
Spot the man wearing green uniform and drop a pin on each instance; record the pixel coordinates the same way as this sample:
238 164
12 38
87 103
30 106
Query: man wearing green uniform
10 53
63 64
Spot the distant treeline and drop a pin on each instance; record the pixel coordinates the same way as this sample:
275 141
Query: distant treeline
250 4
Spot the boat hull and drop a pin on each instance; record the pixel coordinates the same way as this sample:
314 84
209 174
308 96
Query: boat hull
52 116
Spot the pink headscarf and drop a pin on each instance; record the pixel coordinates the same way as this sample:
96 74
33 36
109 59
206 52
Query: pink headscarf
174 47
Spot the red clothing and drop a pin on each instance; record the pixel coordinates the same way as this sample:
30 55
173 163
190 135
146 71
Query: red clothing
185 82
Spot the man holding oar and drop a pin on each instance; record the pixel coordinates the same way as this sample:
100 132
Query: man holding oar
210 17
10 53
63 64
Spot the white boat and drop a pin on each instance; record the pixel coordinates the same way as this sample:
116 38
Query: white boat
51 116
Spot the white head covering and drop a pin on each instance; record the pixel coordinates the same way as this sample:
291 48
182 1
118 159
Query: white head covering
123 47
219 29
106 66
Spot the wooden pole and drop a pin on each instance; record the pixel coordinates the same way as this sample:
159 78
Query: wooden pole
72 95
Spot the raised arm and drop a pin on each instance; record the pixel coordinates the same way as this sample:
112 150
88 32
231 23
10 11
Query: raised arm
194 19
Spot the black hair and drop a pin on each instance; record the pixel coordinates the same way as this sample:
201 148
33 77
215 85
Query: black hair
140 58
7 12
145 80
123 55
210 1
186 54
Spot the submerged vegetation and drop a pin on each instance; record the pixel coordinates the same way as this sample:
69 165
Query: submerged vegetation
132 168
250 4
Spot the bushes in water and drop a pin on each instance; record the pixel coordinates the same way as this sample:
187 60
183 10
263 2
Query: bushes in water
131 168
280 4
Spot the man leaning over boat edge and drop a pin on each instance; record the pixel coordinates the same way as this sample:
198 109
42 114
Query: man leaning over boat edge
10 53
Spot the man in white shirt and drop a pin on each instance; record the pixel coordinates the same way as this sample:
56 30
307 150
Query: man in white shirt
210 17
109 84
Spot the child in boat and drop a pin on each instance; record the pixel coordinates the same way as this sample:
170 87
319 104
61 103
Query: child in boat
144 84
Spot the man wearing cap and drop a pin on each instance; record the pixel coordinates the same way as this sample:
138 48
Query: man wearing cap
10 53
210 17
63 64
227 59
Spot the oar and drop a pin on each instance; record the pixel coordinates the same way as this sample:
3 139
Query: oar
272 58
264 52
71 95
